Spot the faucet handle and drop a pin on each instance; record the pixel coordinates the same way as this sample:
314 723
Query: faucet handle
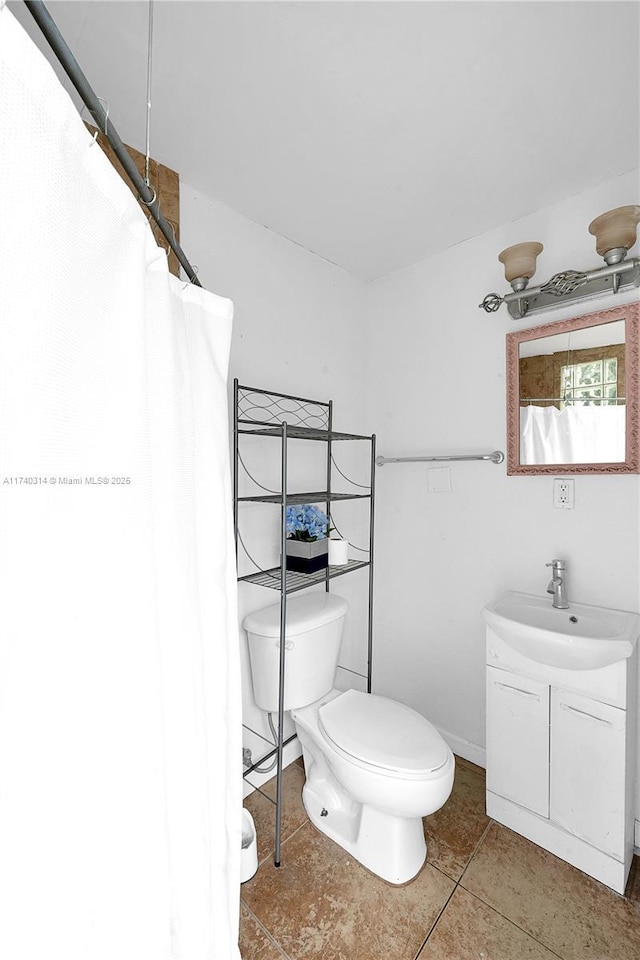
557 564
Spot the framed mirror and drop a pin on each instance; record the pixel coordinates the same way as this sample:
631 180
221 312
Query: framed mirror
572 395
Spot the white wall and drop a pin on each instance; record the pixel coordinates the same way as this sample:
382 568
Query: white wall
299 329
412 358
437 384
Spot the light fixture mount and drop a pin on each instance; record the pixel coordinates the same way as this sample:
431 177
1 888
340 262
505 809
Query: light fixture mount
615 255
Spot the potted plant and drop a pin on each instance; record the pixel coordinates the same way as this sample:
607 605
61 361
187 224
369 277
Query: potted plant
306 545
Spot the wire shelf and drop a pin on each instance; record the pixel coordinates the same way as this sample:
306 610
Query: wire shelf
315 496
299 581
298 433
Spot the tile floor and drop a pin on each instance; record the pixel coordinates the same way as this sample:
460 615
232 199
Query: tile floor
485 893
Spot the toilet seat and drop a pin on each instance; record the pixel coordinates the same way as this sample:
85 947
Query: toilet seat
376 732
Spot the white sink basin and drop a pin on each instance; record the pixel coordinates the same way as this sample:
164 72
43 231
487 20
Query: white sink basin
582 637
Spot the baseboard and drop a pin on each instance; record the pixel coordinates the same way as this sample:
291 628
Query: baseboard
550 836
464 748
478 755
290 753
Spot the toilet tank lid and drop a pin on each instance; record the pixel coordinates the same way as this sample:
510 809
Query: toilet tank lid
383 732
303 614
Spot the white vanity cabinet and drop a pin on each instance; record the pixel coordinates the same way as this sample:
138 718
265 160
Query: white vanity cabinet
560 758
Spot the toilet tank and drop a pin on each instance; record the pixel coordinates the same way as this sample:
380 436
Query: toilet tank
312 644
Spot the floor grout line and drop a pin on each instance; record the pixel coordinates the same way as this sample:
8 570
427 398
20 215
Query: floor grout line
269 936
491 907
475 850
269 856
457 883
435 922
513 923
285 840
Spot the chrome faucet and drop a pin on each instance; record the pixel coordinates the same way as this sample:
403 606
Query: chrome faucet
558 584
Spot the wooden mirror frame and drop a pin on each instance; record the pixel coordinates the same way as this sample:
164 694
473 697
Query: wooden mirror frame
630 313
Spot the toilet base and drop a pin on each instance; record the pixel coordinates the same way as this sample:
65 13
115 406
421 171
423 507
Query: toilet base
393 848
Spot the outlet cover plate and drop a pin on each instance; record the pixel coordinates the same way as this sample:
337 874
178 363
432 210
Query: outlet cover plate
563 493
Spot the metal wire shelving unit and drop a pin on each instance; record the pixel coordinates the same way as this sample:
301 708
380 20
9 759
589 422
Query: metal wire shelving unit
264 413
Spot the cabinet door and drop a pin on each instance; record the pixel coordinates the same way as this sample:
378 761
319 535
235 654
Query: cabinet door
588 770
518 739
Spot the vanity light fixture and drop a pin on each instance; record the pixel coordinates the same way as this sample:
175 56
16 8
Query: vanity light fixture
615 233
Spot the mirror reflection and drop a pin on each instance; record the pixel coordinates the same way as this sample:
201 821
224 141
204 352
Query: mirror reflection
572 396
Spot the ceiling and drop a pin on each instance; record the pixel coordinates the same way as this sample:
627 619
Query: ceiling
372 133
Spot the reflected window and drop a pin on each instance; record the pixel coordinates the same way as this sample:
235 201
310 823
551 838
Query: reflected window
591 383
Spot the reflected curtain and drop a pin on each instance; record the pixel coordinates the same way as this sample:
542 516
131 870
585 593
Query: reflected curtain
120 733
577 434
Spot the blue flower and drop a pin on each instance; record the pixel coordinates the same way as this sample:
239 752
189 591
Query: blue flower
306 522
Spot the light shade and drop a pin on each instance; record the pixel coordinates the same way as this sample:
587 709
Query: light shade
615 229
520 260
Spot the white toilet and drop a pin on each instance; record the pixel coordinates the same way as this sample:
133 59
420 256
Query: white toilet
373 766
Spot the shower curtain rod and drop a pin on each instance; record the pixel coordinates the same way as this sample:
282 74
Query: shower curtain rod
71 67
609 400
497 456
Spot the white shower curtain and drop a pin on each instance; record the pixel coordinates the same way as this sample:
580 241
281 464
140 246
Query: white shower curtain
120 763
576 434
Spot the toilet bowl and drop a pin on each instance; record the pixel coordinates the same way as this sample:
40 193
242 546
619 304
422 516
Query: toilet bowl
374 767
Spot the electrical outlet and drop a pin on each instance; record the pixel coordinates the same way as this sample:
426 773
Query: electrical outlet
563 493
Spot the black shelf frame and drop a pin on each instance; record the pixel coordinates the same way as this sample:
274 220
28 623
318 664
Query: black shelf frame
316 496
266 413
